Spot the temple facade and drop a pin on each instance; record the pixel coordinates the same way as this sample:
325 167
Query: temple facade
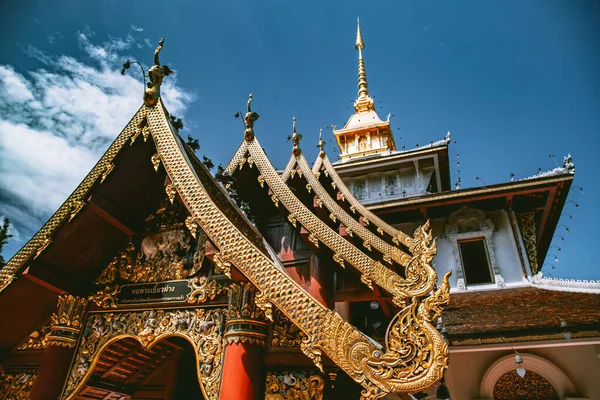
369 277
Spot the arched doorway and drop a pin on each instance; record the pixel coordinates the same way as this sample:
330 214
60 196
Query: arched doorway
126 370
532 386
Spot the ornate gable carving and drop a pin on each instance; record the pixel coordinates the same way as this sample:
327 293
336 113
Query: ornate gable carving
466 220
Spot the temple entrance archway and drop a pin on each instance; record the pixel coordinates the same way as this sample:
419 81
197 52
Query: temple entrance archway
126 370
113 345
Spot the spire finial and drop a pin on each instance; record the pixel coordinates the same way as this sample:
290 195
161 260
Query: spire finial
249 119
296 139
321 144
364 101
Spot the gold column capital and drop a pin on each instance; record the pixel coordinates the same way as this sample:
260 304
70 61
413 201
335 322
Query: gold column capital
246 322
67 321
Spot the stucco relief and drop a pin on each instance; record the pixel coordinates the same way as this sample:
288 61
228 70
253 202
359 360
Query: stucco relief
468 223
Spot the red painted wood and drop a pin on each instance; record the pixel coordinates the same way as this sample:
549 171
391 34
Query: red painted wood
243 375
53 373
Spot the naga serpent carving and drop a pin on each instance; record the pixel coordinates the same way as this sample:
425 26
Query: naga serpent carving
416 353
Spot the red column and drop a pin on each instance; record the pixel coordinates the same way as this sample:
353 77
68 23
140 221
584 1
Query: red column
243 374
52 373
245 334
64 332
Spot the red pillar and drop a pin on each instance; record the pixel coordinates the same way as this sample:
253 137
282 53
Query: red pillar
243 373
61 345
245 334
52 373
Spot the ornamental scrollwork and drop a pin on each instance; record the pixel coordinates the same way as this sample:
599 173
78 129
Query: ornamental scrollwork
67 321
528 232
285 336
37 340
202 327
294 386
168 250
17 385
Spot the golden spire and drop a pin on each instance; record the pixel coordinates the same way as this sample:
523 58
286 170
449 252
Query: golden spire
364 102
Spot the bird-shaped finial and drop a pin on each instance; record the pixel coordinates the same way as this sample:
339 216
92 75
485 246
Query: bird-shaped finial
249 119
295 139
321 144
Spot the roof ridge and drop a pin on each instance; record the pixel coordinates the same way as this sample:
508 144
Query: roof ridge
73 204
397 235
389 252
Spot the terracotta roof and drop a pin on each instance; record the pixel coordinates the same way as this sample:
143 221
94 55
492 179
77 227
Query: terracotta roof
520 314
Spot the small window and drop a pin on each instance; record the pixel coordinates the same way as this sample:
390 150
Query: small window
475 261
359 190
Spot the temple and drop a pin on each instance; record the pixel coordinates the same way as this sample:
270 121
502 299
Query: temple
366 277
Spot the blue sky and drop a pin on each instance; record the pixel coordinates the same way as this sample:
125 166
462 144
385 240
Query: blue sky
514 81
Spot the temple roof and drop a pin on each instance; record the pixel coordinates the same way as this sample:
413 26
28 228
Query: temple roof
520 314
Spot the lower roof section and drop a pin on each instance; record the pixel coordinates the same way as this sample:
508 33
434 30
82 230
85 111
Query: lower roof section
520 315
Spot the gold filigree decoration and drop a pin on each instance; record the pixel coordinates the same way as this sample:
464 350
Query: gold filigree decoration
528 232
294 385
105 298
17 385
76 208
201 327
275 200
169 250
222 266
292 218
67 321
285 336
308 188
313 239
37 340
109 168
261 181
338 259
171 191
155 159
204 289
42 247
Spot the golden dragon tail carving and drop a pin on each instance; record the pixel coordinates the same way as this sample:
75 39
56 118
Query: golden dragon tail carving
416 353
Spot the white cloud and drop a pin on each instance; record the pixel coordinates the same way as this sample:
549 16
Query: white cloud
137 28
56 122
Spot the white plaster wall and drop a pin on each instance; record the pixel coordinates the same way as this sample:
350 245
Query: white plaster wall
507 257
579 363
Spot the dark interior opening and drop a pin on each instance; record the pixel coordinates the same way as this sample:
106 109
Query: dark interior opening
476 265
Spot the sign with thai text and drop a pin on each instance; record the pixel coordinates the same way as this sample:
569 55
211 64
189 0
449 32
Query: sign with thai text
159 292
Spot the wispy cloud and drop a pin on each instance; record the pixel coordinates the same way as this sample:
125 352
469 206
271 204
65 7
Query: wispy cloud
137 28
55 123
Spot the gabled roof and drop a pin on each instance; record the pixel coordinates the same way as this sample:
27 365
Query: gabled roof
371 270
352 226
323 166
240 245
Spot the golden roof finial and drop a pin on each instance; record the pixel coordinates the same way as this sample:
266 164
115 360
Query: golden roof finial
249 119
156 73
295 139
321 144
364 101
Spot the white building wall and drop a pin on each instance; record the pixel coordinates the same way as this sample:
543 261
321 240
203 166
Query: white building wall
503 242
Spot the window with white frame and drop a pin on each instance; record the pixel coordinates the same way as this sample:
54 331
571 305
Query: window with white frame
470 233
